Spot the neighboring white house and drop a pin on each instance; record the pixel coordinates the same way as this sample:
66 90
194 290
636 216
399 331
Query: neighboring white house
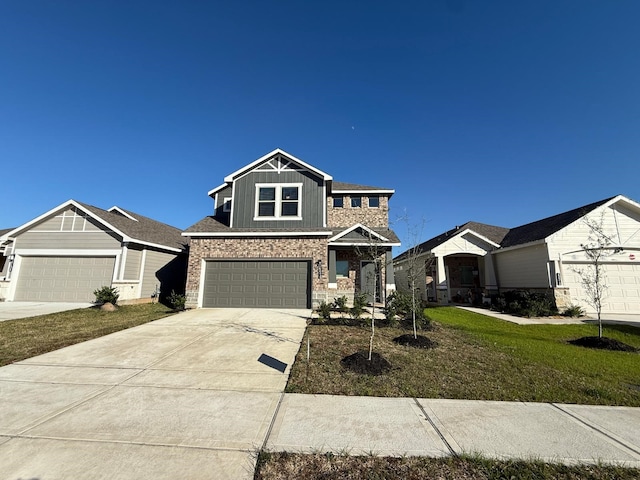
477 260
73 249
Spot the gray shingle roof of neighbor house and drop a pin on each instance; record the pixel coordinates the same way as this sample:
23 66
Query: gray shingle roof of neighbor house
5 230
543 228
341 186
491 232
142 228
527 233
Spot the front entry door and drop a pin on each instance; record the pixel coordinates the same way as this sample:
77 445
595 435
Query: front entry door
370 280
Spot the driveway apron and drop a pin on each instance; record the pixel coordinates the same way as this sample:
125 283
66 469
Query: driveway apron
189 396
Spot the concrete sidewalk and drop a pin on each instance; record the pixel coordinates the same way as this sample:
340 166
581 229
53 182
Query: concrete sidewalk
436 427
607 319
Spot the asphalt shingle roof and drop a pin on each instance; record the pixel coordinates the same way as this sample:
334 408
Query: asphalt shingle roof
212 225
543 228
492 232
353 186
506 237
144 229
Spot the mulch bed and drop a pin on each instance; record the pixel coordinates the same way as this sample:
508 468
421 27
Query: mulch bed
604 343
420 341
359 362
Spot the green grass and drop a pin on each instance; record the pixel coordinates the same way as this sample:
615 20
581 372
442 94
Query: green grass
281 466
477 357
28 337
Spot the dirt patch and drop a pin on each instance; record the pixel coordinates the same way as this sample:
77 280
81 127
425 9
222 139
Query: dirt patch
604 343
420 341
359 362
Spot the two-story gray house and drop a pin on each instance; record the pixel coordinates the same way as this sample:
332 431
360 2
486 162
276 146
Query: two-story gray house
285 234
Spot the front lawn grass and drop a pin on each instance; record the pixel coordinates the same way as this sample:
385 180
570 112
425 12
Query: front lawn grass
477 357
281 466
28 337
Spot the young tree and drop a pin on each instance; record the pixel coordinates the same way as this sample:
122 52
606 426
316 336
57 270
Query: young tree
597 249
373 251
415 265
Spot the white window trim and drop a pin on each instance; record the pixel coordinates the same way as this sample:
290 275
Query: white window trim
369 202
278 201
352 198
226 204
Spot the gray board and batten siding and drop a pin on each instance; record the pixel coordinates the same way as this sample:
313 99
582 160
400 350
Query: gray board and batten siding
311 206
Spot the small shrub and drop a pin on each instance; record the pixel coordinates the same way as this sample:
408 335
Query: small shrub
340 304
324 310
573 311
356 311
499 304
106 294
360 300
400 304
525 304
177 301
359 304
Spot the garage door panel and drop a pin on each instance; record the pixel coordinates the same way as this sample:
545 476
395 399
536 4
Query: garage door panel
623 281
55 279
257 283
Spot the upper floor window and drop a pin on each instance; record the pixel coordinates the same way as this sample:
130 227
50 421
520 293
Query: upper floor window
278 201
226 205
374 202
338 202
356 202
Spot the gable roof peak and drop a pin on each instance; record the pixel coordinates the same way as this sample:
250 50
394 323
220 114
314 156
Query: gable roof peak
117 210
274 153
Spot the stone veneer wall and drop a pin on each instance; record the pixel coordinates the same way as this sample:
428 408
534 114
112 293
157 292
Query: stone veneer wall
347 216
258 248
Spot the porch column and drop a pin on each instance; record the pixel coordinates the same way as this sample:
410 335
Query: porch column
390 275
333 282
490 281
442 287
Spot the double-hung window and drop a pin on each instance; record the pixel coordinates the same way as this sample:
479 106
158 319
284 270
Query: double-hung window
278 201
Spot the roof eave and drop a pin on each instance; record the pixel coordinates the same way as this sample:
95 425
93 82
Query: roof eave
217 189
256 234
521 245
364 244
355 190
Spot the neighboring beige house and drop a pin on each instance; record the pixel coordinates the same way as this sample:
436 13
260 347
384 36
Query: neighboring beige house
73 249
285 234
480 260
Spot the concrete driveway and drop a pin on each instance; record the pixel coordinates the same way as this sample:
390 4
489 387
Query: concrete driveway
189 396
14 310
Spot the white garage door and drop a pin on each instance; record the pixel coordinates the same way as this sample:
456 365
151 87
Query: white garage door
63 279
623 281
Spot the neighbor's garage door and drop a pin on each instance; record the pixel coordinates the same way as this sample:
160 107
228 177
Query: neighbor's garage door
264 284
623 294
63 279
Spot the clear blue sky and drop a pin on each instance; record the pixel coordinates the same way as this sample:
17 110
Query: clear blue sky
500 112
